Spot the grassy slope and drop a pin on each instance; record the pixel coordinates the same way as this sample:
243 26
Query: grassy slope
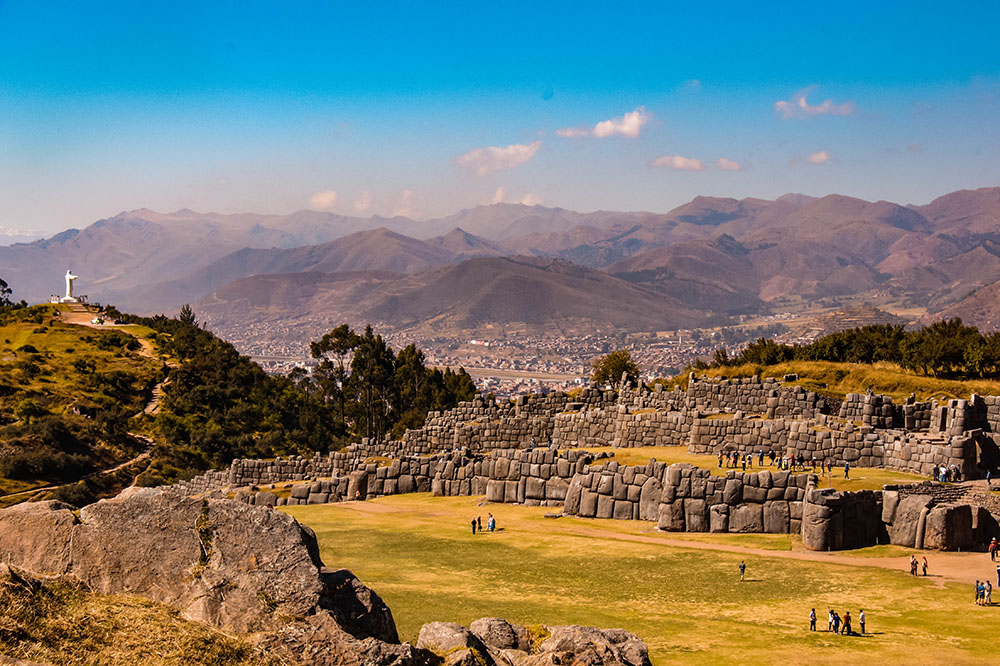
62 624
59 386
839 379
418 553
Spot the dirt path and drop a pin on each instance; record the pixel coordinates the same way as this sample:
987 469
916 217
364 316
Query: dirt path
943 566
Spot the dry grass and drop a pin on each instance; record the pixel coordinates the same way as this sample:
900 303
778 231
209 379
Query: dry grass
63 624
839 379
418 553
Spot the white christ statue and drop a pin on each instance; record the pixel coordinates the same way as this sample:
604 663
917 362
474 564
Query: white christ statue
69 285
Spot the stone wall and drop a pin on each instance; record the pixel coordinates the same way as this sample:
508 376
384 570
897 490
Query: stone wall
768 397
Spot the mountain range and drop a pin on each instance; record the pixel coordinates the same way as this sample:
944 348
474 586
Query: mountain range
536 268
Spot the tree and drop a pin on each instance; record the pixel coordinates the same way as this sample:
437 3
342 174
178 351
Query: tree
372 383
608 369
186 315
29 409
332 379
5 293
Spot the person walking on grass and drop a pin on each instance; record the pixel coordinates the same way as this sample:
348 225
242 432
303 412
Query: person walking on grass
847 470
720 459
923 565
812 620
743 570
836 623
829 627
861 621
847 624
479 523
993 550
988 594
913 565
491 523
473 527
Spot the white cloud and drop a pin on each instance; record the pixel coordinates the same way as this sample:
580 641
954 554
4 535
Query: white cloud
323 200
530 199
727 165
821 157
678 162
799 107
364 202
484 161
498 196
628 125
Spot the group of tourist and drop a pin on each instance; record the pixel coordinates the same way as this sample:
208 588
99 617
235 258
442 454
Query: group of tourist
914 565
477 524
984 590
837 624
736 459
947 474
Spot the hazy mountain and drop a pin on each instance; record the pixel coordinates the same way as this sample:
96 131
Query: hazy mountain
501 295
712 253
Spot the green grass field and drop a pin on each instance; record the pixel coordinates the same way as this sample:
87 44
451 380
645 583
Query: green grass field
418 552
861 478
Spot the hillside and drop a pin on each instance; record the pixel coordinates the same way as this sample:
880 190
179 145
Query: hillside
67 396
510 294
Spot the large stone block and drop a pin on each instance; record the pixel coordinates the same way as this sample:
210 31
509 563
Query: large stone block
776 517
696 517
719 518
733 494
746 518
949 527
605 506
588 503
649 499
907 520
556 488
671 517
623 510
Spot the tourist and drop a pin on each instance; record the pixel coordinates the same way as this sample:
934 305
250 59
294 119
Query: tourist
847 624
998 574
923 565
847 469
744 461
993 550
743 570
829 627
720 459
812 620
473 527
861 621
814 464
479 523
989 479
836 623
750 460
913 565
760 459
980 589
988 598
491 523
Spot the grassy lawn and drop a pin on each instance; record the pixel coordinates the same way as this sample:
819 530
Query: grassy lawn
862 478
418 552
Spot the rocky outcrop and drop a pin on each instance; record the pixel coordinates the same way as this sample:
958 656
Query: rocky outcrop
236 567
496 642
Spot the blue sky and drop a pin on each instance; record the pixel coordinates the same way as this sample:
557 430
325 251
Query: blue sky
427 108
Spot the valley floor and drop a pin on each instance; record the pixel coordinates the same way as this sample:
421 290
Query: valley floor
679 592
